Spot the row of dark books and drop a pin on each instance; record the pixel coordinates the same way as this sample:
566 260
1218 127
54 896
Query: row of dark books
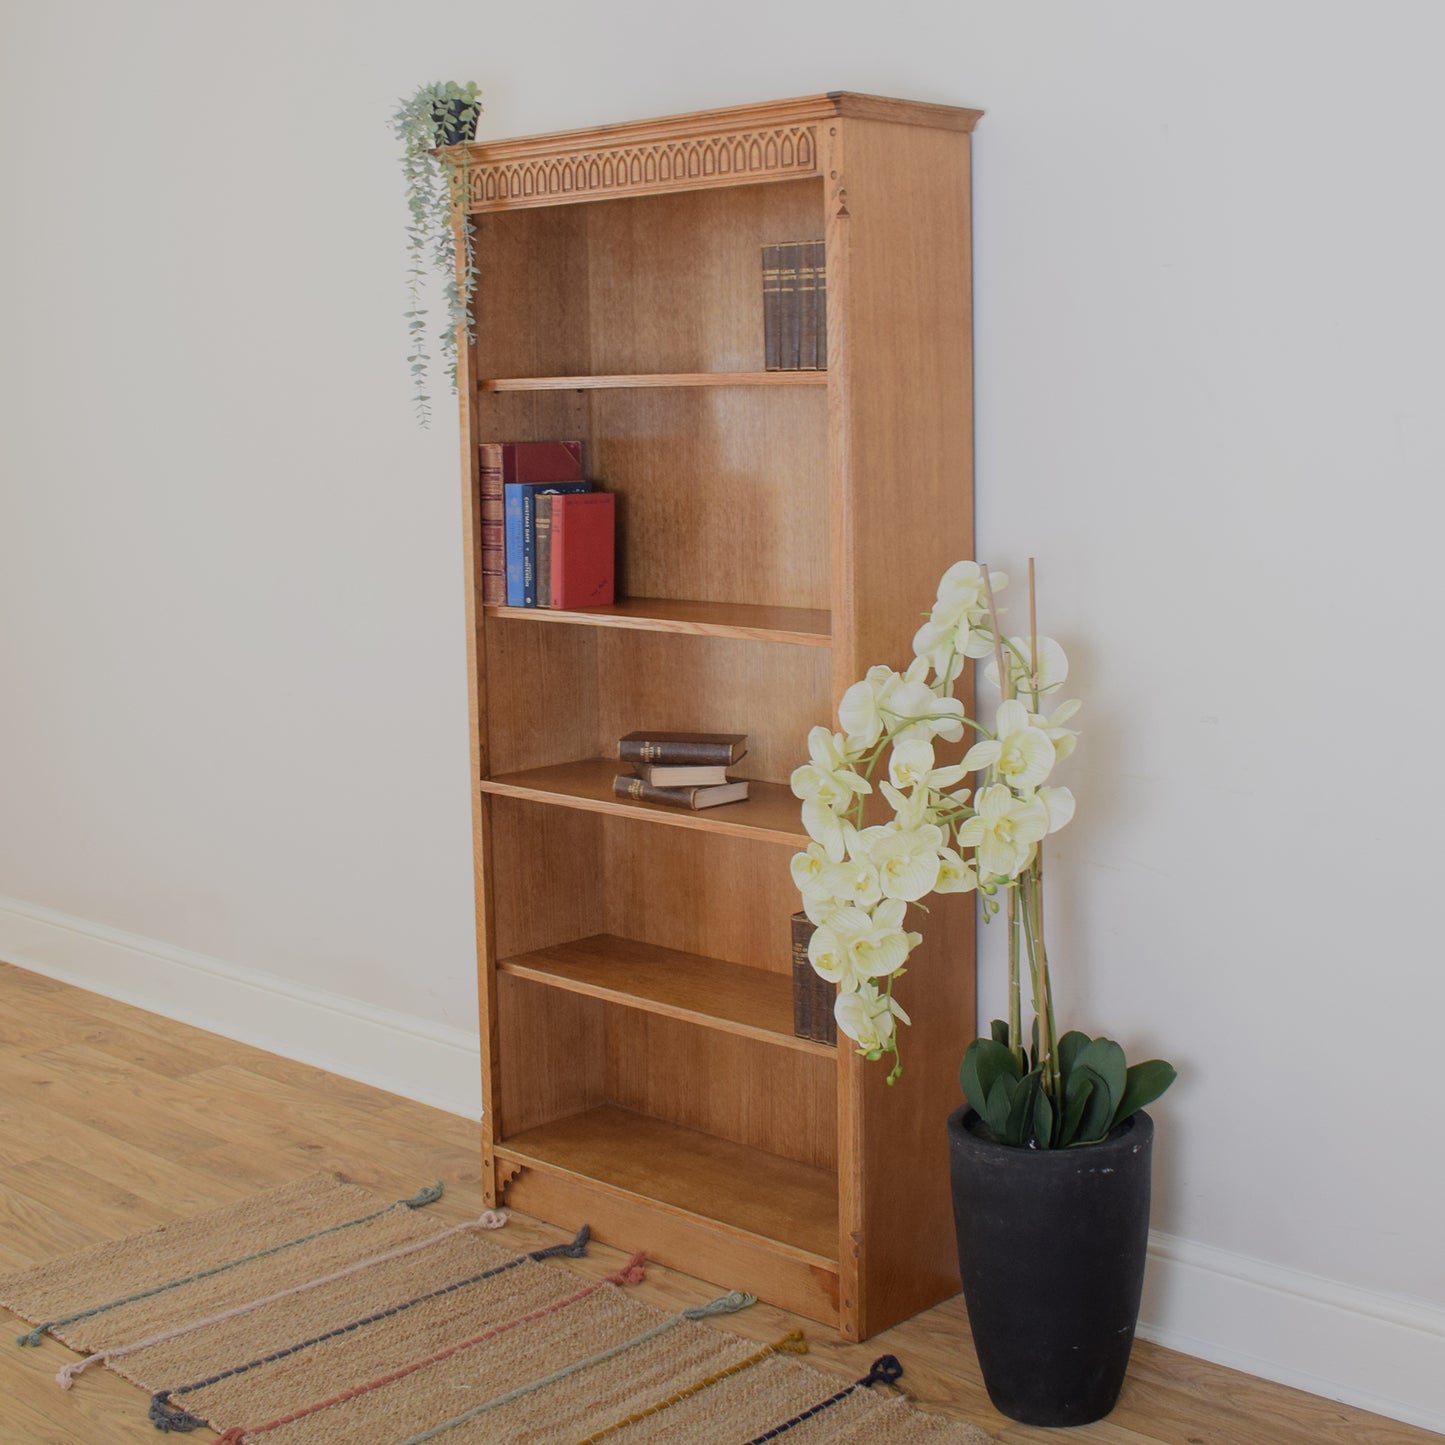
683 770
548 536
795 306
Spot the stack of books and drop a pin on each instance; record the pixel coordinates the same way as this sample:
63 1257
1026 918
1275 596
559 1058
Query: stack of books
795 306
683 770
548 536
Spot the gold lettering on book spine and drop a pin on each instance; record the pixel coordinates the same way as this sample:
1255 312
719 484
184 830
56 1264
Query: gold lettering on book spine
667 165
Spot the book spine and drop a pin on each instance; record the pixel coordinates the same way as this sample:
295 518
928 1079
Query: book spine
813 995
513 519
492 524
820 272
639 790
542 527
674 750
788 305
772 314
807 308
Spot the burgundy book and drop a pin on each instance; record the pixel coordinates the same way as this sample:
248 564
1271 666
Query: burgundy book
583 551
503 462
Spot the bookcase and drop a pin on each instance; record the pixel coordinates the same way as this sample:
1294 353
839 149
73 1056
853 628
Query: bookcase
778 533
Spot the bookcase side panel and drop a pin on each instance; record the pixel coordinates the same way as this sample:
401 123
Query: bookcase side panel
553 1055
901 404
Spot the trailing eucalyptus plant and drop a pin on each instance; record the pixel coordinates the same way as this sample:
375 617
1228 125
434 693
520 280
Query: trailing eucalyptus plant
427 124
858 882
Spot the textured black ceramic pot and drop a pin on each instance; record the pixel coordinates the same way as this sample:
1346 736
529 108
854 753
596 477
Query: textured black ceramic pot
1051 1246
452 122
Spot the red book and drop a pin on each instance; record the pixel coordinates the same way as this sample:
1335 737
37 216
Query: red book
503 462
584 531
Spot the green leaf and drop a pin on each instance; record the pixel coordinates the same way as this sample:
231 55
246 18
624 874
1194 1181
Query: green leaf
1106 1059
1098 1111
1078 1086
983 1062
996 1112
998 1030
1021 1112
1043 1120
1069 1048
1144 1083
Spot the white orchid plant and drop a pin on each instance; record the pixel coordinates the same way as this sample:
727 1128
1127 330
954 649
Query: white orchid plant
858 880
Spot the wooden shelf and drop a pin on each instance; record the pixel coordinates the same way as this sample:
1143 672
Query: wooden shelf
801 626
725 996
791 1208
654 379
771 812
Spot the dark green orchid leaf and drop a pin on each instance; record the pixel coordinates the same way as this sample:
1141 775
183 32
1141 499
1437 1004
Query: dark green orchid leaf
1143 1084
984 1061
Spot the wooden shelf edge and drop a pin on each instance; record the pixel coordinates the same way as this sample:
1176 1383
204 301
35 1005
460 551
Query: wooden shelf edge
645 614
540 966
653 379
586 786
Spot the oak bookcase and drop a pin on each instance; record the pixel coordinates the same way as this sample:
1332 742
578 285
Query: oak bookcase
779 532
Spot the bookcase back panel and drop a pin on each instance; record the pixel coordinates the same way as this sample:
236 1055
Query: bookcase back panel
738 896
554 1052
772 692
532 416
541 694
531 297
722 491
545 874
675 282
781 1102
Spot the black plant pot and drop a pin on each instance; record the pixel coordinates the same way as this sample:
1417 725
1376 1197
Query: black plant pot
1051 1246
453 122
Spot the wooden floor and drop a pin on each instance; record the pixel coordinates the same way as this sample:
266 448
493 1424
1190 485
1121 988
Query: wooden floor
114 1120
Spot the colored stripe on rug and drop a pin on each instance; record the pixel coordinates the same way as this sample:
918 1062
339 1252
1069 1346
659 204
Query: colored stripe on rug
421 1198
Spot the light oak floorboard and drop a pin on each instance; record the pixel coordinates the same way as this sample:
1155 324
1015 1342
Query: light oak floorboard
113 1120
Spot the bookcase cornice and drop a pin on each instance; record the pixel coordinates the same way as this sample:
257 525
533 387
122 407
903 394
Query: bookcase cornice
737 145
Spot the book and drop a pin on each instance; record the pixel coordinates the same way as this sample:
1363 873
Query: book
813 996
682 775
542 525
519 500
639 790
665 747
583 552
812 306
772 314
788 305
503 462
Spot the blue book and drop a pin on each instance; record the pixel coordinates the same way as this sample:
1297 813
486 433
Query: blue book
520 513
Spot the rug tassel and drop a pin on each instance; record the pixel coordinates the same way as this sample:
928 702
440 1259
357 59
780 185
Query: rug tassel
33 1338
792 1343
423 1196
633 1272
166 1418
67 1375
576 1250
886 1371
726 1304
234 1436
490 1219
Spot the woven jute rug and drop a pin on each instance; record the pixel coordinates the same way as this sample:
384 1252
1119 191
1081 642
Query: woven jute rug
318 1314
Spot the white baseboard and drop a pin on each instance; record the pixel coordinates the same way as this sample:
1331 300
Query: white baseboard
404 1055
1378 1352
